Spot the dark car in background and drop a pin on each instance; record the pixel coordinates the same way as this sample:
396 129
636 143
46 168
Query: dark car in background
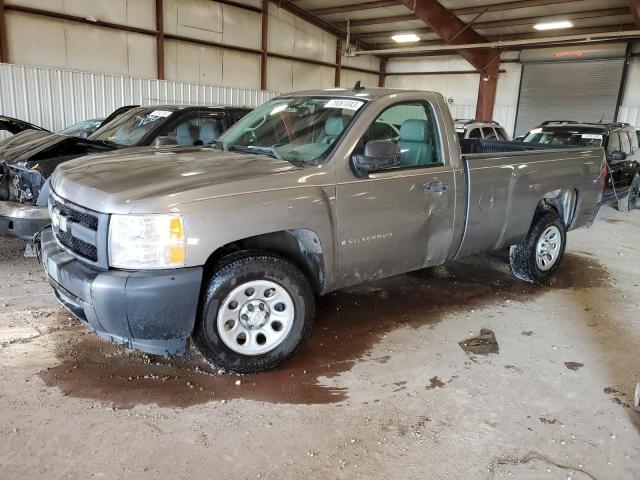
83 129
620 141
13 126
28 159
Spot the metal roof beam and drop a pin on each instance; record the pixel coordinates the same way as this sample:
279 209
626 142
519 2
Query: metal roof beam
365 22
309 17
512 36
453 31
634 6
354 7
4 48
496 7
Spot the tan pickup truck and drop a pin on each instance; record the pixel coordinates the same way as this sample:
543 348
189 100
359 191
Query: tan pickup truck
310 192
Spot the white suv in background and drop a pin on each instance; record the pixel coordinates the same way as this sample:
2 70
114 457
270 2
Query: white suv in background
480 130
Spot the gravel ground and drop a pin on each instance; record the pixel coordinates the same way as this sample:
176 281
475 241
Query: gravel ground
459 372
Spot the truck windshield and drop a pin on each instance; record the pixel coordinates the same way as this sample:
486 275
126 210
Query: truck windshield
582 137
297 129
129 128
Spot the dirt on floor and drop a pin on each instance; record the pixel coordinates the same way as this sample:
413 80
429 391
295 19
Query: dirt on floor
458 372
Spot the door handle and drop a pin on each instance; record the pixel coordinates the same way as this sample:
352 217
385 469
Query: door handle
435 187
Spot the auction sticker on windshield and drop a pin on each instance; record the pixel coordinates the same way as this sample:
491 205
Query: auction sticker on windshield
160 113
345 103
591 136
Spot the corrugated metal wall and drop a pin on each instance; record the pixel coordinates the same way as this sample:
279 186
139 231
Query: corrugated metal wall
56 98
505 115
586 91
629 115
462 111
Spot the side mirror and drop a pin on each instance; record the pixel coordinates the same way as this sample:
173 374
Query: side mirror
163 141
617 156
377 155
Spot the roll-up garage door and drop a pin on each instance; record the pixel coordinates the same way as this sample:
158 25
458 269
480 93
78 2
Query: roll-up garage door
583 90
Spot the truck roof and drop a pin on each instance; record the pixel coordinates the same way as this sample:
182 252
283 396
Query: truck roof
366 93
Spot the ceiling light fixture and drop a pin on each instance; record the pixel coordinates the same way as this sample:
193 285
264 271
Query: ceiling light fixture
405 37
553 25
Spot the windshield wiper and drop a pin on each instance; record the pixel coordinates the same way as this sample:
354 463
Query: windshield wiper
272 152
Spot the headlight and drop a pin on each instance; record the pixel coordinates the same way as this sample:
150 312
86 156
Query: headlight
146 241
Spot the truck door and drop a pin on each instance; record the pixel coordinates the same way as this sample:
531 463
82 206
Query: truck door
400 219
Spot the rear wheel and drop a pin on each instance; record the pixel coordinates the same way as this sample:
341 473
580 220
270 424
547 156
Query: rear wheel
257 311
539 255
630 200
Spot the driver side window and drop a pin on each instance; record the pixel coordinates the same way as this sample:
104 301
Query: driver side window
614 143
412 127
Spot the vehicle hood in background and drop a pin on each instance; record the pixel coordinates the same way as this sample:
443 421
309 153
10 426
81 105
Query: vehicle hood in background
156 180
15 126
43 151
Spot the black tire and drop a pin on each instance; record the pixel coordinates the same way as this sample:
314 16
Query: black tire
522 257
233 271
630 200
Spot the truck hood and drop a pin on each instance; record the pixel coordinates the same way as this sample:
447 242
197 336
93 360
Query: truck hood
156 180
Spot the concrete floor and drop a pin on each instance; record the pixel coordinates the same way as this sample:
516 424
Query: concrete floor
383 390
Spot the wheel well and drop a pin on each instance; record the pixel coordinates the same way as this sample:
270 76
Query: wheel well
300 246
565 202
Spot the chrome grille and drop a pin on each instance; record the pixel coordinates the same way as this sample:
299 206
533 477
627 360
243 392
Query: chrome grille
86 219
80 231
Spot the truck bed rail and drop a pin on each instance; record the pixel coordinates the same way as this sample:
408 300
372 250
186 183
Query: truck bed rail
473 146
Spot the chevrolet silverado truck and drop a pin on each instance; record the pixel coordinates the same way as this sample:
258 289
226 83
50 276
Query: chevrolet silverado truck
309 193
28 159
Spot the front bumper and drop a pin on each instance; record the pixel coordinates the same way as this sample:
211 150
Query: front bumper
22 221
151 311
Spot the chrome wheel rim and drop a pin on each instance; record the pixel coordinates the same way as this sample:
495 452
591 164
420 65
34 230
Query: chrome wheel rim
548 248
255 317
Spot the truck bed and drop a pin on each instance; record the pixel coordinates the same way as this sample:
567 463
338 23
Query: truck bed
506 181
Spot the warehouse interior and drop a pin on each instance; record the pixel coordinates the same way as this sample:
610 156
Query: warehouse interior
463 361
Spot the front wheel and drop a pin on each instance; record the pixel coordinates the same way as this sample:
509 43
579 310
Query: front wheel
630 200
539 255
257 311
